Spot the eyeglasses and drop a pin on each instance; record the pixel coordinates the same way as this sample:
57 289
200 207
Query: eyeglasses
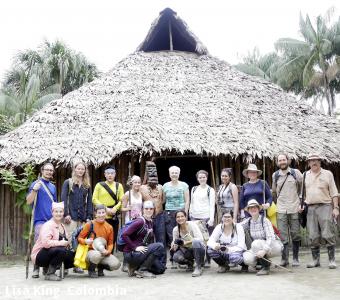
148 208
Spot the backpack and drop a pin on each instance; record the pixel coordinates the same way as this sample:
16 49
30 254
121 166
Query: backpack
195 187
75 234
120 240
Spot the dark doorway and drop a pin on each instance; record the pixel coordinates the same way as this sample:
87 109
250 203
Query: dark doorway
188 165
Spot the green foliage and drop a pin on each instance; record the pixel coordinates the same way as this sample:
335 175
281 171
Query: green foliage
19 184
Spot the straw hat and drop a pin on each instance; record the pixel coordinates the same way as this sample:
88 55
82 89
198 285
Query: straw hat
314 156
251 167
252 203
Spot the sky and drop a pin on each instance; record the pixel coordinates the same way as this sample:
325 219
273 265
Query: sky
106 31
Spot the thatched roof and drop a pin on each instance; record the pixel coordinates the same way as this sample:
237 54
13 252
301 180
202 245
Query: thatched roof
156 102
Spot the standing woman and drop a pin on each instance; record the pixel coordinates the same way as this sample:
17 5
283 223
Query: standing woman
187 245
202 206
227 196
255 189
133 206
77 196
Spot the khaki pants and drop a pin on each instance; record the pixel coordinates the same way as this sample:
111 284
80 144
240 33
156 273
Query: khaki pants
288 224
320 225
70 228
95 257
249 256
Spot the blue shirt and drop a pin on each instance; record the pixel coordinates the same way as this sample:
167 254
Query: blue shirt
174 195
43 207
254 191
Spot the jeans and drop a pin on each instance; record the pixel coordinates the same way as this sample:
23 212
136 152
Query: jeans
170 223
55 256
184 256
156 250
159 231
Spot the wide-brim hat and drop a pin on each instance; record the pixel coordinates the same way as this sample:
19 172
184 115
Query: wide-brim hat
251 167
252 203
314 156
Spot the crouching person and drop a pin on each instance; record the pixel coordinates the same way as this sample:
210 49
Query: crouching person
100 244
187 245
261 238
52 247
227 244
144 257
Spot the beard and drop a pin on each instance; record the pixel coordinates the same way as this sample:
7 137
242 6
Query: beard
284 166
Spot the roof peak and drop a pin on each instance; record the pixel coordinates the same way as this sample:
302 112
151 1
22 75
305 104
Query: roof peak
170 32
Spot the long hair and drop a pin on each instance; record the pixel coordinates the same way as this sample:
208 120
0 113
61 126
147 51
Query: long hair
231 213
86 176
179 226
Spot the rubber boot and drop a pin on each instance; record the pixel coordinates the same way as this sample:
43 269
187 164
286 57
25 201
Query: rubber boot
35 273
92 271
316 258
296 248
101 270
331 257
265 267
285 256
51 275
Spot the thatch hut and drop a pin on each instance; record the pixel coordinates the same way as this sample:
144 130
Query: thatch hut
173 101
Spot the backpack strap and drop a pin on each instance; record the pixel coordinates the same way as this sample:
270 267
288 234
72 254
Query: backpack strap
91 231
110 192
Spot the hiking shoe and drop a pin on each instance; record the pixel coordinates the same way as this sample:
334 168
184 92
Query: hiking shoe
295 263
263 271
144 274
197 272
35 273
332 265
131 270
100 272
78 270
52 277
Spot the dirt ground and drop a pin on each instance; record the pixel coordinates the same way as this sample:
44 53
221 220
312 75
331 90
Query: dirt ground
320 283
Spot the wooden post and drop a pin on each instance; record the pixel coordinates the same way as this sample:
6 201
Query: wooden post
170 37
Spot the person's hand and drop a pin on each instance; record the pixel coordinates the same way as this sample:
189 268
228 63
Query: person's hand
265 205
173 246
242 214
335 212
217 246
105 253
141 249
261 253
211 223
89 241
67 219
301 209
113 211
64 243
129 207
37 186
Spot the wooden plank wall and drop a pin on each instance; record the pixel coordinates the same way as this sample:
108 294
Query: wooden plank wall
13 221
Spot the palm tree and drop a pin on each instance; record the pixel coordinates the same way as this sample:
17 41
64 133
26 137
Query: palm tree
310 66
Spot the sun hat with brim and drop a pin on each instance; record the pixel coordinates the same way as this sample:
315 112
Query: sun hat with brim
251 167
252 203
314 156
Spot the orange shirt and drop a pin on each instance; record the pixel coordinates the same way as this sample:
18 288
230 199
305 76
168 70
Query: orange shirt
103 230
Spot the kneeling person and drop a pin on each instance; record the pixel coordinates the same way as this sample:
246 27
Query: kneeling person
144 257
260 235
98 255
187 245
227 243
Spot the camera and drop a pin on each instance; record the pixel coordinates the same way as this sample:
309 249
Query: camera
179 242
223 247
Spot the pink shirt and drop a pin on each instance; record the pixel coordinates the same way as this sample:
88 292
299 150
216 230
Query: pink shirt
48 238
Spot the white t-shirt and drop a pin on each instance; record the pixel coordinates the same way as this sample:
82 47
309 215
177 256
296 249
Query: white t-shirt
202 206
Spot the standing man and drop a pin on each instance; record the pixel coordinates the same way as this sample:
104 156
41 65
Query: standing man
110 194
286 188
323 209
152 191
176 197
45 193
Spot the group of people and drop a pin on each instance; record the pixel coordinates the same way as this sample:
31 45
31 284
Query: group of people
170 216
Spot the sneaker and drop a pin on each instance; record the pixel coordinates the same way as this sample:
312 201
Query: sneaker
144 274
263 271
78 270
197 272
131 270
332 265
52 277
35 273
295 263
222 269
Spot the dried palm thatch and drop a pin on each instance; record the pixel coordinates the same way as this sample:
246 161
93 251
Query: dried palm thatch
163 101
